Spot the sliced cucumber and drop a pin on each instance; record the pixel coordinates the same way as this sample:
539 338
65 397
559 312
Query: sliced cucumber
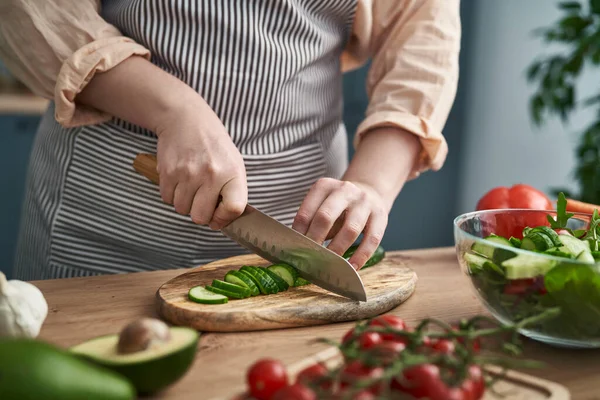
265 282
300 281
516 242
525 266
537 241
281 283
586 256
269 283
596 255
548 232
227 293
254 279
487 250
556 252
376 258
474 262
241 279
572 245
201 295
232 288
285 272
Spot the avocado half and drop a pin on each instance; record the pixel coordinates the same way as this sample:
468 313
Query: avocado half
149 370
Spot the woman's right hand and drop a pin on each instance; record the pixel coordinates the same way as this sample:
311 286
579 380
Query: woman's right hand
197 161
202 173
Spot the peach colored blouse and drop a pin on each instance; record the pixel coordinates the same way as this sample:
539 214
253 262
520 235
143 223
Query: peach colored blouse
56 46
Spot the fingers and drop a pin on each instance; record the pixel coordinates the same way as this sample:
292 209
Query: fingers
313 200
374 231
205 202
234 199
332 208
354 223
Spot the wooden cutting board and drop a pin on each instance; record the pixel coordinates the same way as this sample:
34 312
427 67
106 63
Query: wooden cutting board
387 284
512 386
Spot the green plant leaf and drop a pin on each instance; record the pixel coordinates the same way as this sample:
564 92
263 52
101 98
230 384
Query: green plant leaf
534 70
570 5
595 6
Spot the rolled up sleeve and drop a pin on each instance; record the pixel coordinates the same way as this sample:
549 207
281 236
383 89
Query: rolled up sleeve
56 46
412 81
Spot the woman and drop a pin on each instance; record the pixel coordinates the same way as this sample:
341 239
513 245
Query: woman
241 99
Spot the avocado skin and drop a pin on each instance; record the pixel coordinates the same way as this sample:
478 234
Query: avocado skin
151 376
33 370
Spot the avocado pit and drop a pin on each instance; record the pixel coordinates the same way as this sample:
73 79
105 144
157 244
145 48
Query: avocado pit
143 334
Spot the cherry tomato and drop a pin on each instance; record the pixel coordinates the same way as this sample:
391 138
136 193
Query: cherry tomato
294 392
355 371
386 352
363 395
424 382
389 321
369 339
265 377
519 286
315 374
476 376
443 346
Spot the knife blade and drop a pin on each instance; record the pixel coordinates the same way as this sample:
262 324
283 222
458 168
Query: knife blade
275 242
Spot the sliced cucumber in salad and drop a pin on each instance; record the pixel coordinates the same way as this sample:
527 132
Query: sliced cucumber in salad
253 280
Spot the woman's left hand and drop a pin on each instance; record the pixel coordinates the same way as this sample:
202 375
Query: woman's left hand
341 211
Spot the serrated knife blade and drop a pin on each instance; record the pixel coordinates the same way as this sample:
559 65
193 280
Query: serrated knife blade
275 242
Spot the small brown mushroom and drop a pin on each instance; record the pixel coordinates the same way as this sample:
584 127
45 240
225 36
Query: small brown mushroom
143 334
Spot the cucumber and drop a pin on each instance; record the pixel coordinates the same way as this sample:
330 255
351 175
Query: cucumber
232 288
537 241
586 256
223 292
201 295
474 262
516 242
548 232
265 282
596 255
241 279
556 252
281 283
572 245
285 272
300 281
254 279
525 266
486 250
377 256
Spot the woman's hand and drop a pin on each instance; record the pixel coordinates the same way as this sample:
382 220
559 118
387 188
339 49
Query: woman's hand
202 172
197 161
341 211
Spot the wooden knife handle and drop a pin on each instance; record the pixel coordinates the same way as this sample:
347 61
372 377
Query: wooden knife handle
145 164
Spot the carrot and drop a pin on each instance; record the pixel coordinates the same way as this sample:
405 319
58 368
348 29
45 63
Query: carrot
581 207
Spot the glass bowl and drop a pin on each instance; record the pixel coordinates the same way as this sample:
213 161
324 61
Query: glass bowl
515 283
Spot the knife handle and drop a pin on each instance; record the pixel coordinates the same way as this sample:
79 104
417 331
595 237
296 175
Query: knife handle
145 164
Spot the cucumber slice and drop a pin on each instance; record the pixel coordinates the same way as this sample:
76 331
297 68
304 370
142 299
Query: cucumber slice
241 279
551 233
486 250
232 288
201 295
265 283
572 245
586 256
474 262
285 272
525 266
300 281
556 252
227 293
377 256
596 255
516 242
254 279
537 241
282 285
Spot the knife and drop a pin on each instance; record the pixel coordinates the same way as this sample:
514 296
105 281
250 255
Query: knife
275 242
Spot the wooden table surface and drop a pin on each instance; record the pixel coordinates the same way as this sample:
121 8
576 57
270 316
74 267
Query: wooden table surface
81 308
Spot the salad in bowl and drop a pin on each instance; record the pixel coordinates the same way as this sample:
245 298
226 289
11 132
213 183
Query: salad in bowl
524 262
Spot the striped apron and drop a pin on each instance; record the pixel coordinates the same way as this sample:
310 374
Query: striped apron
270 70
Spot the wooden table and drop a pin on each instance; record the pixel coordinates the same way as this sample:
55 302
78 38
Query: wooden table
82 308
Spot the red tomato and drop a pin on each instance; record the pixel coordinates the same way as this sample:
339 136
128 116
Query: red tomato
517 196
355 371
314 374
389 321
424 382
387 352
519 286
294 392
369 339
364 395
443 346
475 343
265 377
476 376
